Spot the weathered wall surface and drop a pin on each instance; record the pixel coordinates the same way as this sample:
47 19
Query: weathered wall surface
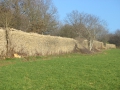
32 44
98 45
3 43
110 46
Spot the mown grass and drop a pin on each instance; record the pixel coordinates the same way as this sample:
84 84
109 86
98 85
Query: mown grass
66 72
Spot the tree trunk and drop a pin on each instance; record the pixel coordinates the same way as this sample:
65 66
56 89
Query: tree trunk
6 32
90 44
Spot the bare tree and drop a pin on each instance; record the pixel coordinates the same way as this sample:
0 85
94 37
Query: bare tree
5 20
30 15
5 14
85 25
41 15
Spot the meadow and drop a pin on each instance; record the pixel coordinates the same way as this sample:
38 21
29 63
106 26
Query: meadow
74 71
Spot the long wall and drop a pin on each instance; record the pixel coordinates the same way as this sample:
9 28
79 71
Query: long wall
32 44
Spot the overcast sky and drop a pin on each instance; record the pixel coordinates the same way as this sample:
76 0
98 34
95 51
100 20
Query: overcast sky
108 10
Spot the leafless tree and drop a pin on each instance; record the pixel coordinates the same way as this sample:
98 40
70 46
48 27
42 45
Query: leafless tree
5 14
5 20
41 15
31 15
85 25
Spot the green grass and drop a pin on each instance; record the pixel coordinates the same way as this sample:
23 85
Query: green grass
65 72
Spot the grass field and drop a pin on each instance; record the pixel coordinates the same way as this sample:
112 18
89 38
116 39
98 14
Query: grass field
65 72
